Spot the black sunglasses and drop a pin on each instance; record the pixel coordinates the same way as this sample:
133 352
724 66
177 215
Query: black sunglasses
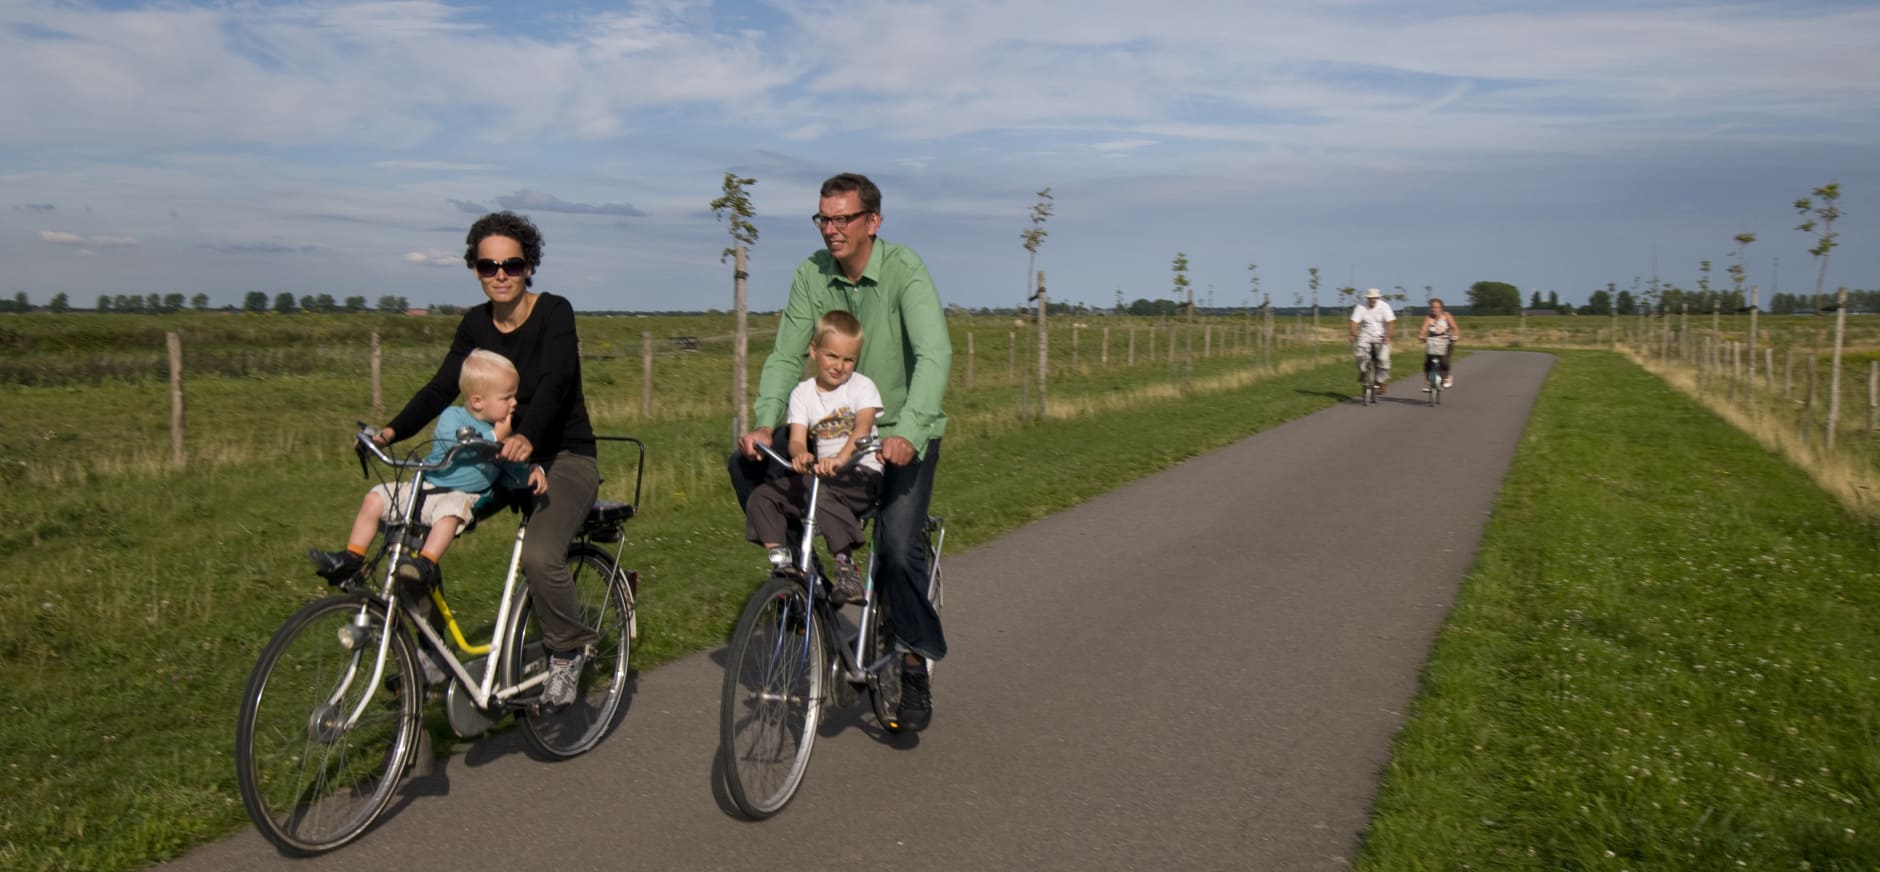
514 266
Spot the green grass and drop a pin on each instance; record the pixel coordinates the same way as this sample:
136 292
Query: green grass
1666 657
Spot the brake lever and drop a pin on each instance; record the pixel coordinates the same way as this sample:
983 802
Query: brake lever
359 451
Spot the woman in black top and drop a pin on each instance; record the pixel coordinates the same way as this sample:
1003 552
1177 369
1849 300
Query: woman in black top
550 425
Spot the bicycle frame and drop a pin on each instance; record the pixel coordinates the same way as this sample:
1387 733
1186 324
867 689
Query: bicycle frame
853 650
485 693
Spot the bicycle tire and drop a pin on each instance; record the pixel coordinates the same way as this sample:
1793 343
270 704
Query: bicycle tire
773 695
1436 386
606 604
884 684
309 785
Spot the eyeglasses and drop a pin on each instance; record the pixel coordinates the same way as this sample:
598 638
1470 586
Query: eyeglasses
821 220
514 266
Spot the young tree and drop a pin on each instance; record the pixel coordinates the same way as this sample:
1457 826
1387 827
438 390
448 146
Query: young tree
392 304
1534 301
104 303
1184 289
1553 300
355 304
199 302
284 303
1736 270
734 207
1822 216
22 303
173 302
60 303
1034 237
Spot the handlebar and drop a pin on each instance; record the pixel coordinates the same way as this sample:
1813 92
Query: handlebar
863 448
467 440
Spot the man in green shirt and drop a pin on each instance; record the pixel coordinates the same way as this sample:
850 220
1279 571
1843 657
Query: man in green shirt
907 352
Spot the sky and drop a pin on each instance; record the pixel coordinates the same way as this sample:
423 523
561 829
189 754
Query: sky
345 147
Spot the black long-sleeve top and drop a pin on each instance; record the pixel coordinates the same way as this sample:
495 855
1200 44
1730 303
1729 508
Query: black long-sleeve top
551 409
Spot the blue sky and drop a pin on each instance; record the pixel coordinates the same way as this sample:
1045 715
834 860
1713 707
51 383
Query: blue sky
343 148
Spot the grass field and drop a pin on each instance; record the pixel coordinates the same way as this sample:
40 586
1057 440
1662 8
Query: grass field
139 595
1667 657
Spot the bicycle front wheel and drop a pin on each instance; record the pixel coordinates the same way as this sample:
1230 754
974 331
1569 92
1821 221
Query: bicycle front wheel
322 741
605 603
772 697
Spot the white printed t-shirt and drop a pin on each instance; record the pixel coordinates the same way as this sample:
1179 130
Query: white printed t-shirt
830 415
1371 320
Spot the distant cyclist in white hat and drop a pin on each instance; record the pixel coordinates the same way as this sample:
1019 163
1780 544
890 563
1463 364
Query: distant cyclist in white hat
1371 323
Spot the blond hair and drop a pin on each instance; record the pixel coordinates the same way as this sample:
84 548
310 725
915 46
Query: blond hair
836 321
482 369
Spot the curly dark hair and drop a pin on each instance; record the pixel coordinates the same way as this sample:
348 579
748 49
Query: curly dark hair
509 224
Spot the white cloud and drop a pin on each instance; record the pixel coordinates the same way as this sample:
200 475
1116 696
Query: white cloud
61 237
434 257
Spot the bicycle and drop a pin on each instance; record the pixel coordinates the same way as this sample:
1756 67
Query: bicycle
1437 347
330 717
792 652
1369 364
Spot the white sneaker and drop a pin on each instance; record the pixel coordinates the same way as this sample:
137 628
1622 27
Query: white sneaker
1426 389
564 679
1448 383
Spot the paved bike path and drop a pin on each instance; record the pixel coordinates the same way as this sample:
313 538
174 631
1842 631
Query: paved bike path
1202 669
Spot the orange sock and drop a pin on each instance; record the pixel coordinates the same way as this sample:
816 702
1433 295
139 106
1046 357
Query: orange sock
428 556
356 550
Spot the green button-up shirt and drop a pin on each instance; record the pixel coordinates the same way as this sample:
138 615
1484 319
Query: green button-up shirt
905 347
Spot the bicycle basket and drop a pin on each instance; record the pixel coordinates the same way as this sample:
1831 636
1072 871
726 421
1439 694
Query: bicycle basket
1439 345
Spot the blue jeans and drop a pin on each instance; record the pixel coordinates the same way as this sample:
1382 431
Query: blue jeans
900 527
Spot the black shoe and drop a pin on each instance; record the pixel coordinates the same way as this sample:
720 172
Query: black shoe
916 698
335 566
847 580
417 575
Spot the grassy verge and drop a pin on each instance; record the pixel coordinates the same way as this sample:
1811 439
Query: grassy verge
1666 657
136 603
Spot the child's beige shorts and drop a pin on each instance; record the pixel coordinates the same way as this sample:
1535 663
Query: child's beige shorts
442 504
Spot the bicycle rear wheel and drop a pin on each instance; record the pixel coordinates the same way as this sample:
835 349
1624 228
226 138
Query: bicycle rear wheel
772 697
310 781
606 604
884 684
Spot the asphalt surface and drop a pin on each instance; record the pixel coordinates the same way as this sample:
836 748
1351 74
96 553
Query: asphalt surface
1200 670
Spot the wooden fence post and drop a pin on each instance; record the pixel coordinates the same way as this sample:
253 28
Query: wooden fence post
1788 373
646 374
1076 334
969 360
175 343
1011 357
1103 360
1132 346
378 392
